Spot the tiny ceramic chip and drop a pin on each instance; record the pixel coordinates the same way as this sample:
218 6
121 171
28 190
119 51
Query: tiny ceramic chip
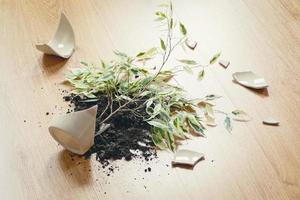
271 121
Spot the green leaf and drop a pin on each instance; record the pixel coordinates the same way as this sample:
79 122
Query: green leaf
193 122
209 115
209 111
164 76
90 95
156 111
188 69
170 141
171 23
188 62
70 76
214 58
227 123
84 63
182 29
140 54
240 115
103 64
201 75
158 123
159 141
211 97
125 97
162 44
149 109
148 54
161 14
120 54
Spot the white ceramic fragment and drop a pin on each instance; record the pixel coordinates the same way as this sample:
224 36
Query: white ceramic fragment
75 131
187 157
271 121
224 63
63 42
250 79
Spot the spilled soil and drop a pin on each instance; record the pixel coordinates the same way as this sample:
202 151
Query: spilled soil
126 137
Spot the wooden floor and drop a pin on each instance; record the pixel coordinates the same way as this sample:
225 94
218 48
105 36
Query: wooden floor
253 162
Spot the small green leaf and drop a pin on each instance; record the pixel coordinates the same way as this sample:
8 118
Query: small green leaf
182 29
201 75
188 62
158 141
214 58
158 123
171 23
140 54
188 69
195 125
227 123
240 115
211 97
120 54
84 63
148 54
161 14
162 44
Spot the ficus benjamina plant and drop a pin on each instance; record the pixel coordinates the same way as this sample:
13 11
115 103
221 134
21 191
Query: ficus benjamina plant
133 85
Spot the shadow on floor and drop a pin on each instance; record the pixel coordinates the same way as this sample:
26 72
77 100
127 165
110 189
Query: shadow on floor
52 64
259 92
75 167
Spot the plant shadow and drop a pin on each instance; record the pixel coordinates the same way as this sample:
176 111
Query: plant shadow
75 167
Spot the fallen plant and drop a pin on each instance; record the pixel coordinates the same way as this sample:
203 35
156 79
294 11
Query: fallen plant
131 85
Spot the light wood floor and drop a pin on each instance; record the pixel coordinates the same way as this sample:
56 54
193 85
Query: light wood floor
253 162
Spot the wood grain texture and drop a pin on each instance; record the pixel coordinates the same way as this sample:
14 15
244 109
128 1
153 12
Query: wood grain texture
254 162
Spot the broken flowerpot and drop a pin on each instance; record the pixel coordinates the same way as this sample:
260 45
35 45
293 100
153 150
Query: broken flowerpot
187 157
75 131
250 80
63 42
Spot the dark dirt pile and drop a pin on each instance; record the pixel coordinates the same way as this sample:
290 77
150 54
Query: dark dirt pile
127 137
